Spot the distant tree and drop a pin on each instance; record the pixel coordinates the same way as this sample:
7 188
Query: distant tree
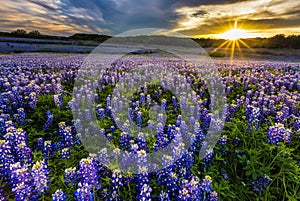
19 32
293 41
278 41
35 33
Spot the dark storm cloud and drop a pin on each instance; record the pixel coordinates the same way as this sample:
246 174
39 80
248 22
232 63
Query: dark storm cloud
129 14
199 13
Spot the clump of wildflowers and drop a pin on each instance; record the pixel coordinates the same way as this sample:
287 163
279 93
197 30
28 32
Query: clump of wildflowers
260 184
59 195
40 176
278 133
21 182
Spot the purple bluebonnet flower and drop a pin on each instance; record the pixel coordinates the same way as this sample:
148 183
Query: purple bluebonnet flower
184 194
225 175
71 176
6 158
232 109
88 172
108 102
23 153
145 193
163 105
104 194
58 100
280 117
172 183
236 141
49 121
161 119
286 112
117 183
32 100
2 198
17 139
87 115
3 119
150 125
115 196
20 116
194 189
21 182
103 156
39 144
160 136
100 112
117 179
296 124
142 98
141 142
61 127
260 184
112 129
278 133
223 140
185 162
174 102
48 149
148 98
39 173
213 196
253 116
59 195
178 145
178 121
65 153
206 184
143 176
20 136
139 119
70 105
66 134
208 157
84 192
130 114
206 121
163 196
197 137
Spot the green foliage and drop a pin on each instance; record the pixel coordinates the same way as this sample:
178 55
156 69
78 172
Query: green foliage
258 158
216 54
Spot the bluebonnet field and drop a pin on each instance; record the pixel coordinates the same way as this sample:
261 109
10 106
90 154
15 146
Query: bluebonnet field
42 158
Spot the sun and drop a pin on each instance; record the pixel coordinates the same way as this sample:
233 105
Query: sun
234 34
233 38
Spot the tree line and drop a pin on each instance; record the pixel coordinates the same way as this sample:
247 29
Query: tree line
277 41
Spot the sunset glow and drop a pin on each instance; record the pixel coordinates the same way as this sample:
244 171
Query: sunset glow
235 34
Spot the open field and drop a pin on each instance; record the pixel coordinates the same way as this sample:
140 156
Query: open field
23 45
43 153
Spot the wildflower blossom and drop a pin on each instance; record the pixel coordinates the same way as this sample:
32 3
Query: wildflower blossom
278 133
40 175
59 195
260 184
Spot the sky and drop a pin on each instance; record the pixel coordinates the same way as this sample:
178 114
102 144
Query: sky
193 18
